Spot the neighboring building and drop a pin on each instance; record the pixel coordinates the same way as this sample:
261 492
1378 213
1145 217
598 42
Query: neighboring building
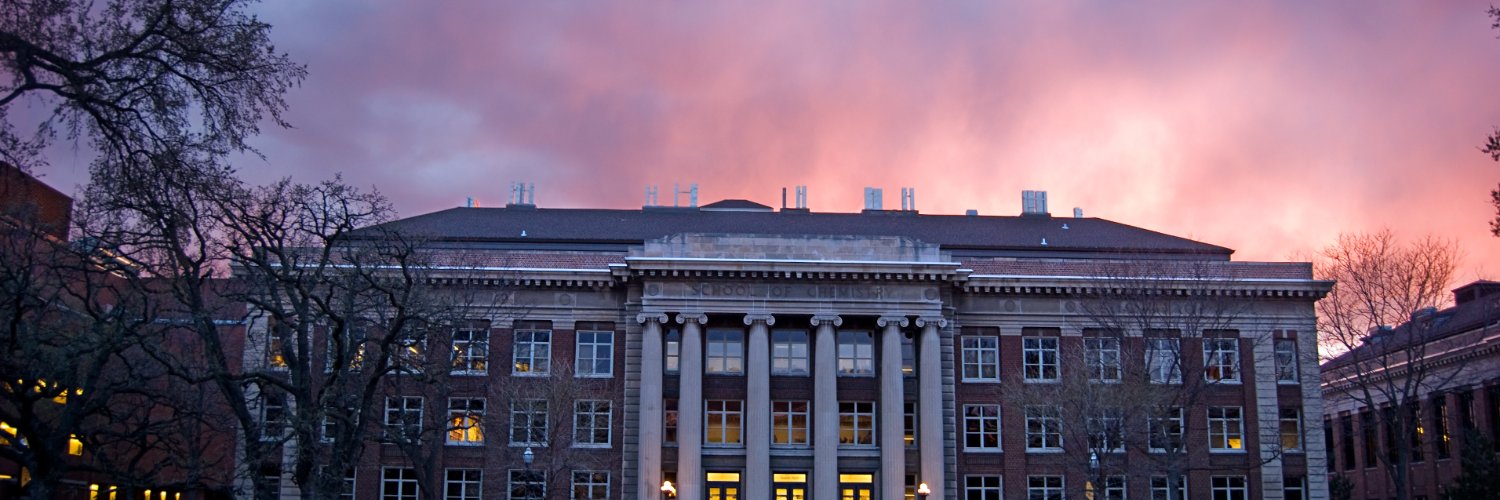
1458 349
744 352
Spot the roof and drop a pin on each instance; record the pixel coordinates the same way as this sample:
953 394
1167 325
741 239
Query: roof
736 205
1472 313
1025 234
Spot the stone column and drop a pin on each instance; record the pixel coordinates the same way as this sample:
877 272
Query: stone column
690 408
758 407
892 410
930 405
825 408
648 449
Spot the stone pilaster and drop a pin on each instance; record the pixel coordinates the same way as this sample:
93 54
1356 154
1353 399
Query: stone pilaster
650 437
930 405
825 407
892 403
690 408
758 407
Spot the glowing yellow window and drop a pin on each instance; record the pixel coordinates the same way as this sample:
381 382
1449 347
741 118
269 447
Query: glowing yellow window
75 446
6 432
723 477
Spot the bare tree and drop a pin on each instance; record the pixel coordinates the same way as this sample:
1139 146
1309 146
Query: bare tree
561 419
1387 370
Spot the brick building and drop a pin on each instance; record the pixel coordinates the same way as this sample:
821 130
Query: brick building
737 351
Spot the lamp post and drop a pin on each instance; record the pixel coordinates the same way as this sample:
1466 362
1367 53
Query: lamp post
528 457
923 491
667 490
1093 472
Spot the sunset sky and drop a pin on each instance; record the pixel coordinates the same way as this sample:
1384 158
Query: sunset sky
1266 127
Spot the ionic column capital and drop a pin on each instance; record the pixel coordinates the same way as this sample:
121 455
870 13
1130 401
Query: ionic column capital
937 321
885 321
767 319
651 317
827 319
694 317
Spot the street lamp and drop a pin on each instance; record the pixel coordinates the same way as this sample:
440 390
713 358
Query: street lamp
923 490
667 490
528 457
1093 472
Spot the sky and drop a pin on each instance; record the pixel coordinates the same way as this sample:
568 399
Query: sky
1266 127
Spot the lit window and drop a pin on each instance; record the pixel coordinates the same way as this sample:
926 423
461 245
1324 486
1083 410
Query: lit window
591 423
528 422
789 423
1226 429
1221 360
723 422
1039 359
463 484
909 424
856 353
1044 488
411 355
789 355
1229 488
399 483
1163 363
1291 429
1043 428
590 485
981 358
857 423
465 417
982 427
403 417
1286 360
471 351
533 353
1102 354
346 349
75 446
983 488
596 354
1166 431
726 351
528 485
276 346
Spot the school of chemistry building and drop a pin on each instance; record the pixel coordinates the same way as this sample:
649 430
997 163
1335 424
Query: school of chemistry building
736 351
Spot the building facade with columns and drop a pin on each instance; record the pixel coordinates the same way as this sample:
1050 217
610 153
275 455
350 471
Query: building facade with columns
754 353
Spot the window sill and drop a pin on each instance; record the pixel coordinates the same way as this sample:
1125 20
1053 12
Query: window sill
469 373
1042 381
597 376
464 444
528 445
986 451
1044 451
980 380
1218 451
531 374
593 446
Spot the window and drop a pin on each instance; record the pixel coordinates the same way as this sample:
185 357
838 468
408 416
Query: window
723 422
590 485
789 423
1162 361
398 483
334 420
1039 358
1221 360
669 421
856 353
1371 435
1043 428
1294 488
346 349
1107 430
1440 426
1291 430
672 353
471 351
1229 488
528 422
591 423
1418 430
410 355
273 415
1160 489
275 346
1113 488
982 427
1102 354
1346 425
528 484
908 355
403 417
1044 488
465 419
983 488
75 445
346 488
596 354
857 423
789 354
981 358
463 484
909 424
1166 431
533 353
726 351
1286 360
1225 429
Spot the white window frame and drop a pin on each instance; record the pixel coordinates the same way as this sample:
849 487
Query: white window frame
524 430
725 411
592 354
348 486
469 483
405 417
1164 360
1295 421
1040 359
981 420
1107 428
1226 424
591 484
520 477
1160 487
1102 355
410 356
856 358
1229 487
984 487
1115 488
465 420
1046 487
787 411
274 410
725 351
981 358
532 353
789 356
1221 360
1044 425
471 351
403 476
858 413
1287 363
590 416
1179 420
671 351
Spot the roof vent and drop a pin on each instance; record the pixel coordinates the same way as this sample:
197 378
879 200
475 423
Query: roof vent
1077 212
692 195
522 195
1034 203
971 212
651 195
873 199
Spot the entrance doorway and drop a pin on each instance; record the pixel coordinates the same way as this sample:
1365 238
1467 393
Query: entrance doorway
723 486
789 486
856 486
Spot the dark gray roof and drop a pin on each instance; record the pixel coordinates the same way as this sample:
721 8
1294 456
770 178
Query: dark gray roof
1018 234
735 204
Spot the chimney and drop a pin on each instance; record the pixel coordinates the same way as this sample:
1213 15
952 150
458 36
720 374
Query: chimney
1034 203
522 195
